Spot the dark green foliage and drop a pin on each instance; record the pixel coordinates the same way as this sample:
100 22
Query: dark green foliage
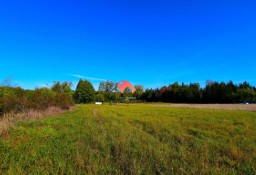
246 95
214 92
84 92
149 95
99 98
139 92
180 93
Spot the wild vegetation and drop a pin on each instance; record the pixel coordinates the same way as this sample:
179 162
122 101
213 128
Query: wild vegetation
132 139
18 100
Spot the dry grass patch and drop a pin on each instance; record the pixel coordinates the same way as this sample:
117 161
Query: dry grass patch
247 107
10 119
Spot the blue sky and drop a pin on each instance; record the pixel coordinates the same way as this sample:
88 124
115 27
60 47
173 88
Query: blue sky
152 43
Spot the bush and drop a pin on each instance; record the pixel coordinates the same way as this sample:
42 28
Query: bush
18 100
99 98
43 98
8 99
63 100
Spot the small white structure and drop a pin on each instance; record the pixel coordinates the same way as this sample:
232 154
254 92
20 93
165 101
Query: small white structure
98 103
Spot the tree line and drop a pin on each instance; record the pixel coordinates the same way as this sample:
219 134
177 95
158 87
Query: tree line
61 95
213 92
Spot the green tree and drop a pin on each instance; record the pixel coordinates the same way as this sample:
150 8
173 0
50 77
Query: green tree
84 92
56 87
63 94
108 86
149 95
139 91
66 87
246 95
62 87
109 89
127 92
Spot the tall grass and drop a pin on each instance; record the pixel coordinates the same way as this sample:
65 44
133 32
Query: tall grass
10 119
132 139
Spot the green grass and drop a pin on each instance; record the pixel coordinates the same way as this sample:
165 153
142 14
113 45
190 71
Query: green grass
132 139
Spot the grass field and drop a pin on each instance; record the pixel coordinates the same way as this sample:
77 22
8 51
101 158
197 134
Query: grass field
132 139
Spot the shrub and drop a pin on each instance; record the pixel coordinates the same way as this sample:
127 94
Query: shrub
43 98
19 100
63 100
8 99
99 97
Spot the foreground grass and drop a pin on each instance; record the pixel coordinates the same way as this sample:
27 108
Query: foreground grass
136 139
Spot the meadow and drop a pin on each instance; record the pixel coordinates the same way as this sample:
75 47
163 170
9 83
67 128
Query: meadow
132 139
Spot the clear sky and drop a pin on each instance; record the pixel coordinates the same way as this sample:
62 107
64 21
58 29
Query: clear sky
152 43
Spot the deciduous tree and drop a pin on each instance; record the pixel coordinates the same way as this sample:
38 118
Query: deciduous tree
84 92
